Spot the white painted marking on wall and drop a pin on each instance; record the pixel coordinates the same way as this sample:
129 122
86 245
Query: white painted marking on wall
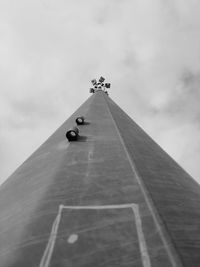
73 238
142 243
102 207
45 261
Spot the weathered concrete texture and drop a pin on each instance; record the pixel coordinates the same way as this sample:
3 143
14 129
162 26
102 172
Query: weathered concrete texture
113 198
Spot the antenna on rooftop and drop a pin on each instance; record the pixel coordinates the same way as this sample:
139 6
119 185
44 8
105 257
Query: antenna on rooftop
100 85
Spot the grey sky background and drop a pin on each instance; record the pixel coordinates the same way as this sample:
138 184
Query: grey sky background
148 49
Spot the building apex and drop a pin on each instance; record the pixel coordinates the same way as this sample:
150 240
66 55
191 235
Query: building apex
99 86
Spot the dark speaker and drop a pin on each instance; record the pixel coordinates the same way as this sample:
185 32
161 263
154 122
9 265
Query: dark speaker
102 79
80 120
107 85
94 81
72 134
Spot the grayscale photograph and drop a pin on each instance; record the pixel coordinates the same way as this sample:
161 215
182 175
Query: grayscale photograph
100 133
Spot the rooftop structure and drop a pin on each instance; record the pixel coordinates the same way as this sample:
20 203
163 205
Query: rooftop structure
107 195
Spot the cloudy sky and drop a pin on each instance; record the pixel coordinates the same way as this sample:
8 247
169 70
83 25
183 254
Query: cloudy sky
148 49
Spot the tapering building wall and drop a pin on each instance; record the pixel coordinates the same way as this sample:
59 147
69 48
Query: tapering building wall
112 198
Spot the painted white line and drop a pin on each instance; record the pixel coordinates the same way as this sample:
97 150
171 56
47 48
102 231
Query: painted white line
103 207
45 262
142 243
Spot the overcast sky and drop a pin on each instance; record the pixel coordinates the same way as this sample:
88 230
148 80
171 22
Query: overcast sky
148 49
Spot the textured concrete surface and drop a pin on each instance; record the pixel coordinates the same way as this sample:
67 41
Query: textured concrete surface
113 198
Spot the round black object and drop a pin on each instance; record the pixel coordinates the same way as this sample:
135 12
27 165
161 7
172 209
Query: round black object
72 134
80 120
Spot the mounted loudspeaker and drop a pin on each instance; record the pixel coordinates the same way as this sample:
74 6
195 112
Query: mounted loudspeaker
72 134
107 85
94 81
80 120
102 79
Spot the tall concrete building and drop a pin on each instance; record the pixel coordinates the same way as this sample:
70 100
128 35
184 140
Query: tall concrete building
111 198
